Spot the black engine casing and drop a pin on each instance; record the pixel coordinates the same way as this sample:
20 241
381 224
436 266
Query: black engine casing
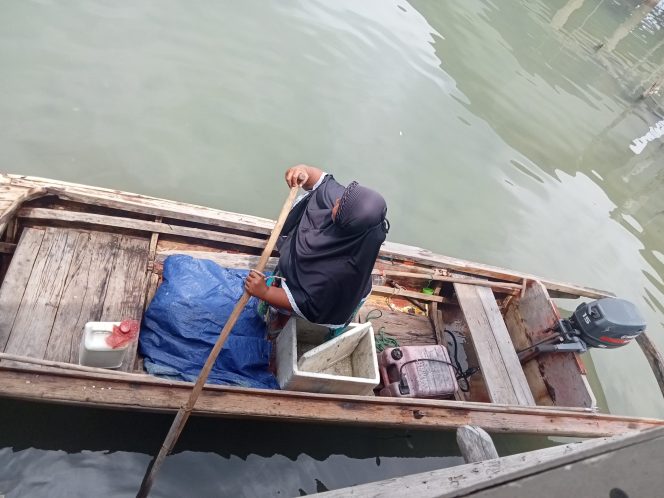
608 322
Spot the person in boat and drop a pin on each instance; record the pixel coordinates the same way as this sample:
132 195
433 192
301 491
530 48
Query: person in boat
328 247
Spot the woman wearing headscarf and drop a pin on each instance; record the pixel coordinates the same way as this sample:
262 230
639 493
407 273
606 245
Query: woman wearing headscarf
328 248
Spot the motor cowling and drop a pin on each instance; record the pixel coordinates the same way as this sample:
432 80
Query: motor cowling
607 323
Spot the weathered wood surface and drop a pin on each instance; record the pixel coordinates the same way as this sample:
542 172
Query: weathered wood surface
138 225
452 319
436 277
424 256
142 203
13 199
59 279
384 290
126 289
500 365
576 469
225 259
83 294
408 330
176 210
630 465
475 444
142 395
16 280
560 377
42 294
654 357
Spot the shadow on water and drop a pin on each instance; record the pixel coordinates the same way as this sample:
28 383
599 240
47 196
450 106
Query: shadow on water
88 446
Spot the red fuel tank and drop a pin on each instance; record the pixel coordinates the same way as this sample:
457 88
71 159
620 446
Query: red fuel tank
417 372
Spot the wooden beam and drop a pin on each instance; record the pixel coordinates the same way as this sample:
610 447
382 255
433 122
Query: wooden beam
142 395
225 259
434 277
393 291
654 357
475 444
139 225
502 476
393 250
501 369
7 248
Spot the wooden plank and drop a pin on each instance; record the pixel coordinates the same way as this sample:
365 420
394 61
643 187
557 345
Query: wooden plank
408 330
145 204
496 375
393 291
417 254
172 209
654 357
467 480
43 292
138 394
20 195
505 346
475 444
83 294
225 259
127 285
436 277
16 280
562 376
7 248
139 225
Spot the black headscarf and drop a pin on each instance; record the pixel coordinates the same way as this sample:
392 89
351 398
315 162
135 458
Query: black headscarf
327 264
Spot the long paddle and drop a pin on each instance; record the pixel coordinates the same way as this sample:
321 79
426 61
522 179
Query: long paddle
184 412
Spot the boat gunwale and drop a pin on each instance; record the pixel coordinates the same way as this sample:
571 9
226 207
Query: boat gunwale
142 204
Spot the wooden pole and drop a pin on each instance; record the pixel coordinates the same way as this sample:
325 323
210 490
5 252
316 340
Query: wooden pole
654 357
183 413
475 444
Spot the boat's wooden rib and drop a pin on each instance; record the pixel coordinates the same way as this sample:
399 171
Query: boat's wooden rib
138 394
139 225
177 210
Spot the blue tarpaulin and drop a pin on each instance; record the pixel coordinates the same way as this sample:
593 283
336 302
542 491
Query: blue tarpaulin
184 319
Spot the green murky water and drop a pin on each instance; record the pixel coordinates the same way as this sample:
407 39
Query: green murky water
498 132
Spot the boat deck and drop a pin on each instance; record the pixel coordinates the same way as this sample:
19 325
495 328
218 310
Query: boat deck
61 278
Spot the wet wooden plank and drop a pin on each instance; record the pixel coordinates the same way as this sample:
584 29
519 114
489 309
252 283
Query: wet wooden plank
561 376
16 280
127 286
43 292
83 295
500 366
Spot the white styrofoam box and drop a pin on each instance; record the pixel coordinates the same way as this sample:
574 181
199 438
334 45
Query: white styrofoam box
94 352
346 364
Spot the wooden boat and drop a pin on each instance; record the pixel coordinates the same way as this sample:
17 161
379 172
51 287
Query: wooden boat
73 254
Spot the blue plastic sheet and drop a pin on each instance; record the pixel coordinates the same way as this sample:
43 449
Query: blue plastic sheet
185 317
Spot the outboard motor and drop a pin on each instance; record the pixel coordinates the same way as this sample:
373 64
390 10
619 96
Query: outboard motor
606 323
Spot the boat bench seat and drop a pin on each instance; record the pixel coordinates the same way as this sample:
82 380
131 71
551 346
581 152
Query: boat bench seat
503 375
